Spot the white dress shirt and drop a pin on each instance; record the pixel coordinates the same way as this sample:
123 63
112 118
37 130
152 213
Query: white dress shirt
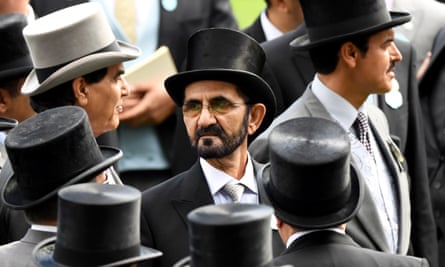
377 176
216 179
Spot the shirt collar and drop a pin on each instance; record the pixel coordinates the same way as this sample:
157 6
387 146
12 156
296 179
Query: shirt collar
216 178
270 31
44 228
299 234
339 108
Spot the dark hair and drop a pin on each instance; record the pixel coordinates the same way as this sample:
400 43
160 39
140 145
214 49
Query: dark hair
63 95
45 211
12 86
325 57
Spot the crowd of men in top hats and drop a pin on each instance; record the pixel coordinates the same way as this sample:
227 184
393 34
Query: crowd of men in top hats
334 190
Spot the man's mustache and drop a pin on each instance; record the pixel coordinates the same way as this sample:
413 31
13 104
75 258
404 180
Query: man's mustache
212 129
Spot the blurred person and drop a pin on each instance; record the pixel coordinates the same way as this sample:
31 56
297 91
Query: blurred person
98 225
51 150
314 194
152 146
431 94
279 17
17 6
224 101
15 64
427 19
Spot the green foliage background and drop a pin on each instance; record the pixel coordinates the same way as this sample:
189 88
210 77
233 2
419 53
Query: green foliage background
246 11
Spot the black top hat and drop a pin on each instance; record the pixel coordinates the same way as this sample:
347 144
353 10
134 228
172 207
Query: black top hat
15 60
235 235
51 150
98 225
7 123
329 21
308 179
225 55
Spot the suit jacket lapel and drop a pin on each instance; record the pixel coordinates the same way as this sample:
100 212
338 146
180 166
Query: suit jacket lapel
320 238
194 192
367 218
397 167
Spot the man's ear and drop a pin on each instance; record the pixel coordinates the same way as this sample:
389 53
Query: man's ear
349 53
257 114
5 99
80 91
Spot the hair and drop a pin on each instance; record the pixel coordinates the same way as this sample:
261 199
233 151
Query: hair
43 212
325 57
63 94
11 86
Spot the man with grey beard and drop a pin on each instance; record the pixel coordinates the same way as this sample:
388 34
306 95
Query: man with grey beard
224 102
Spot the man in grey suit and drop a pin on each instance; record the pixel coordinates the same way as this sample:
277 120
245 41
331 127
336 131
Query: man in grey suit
293 71
224 101
352 63
306 164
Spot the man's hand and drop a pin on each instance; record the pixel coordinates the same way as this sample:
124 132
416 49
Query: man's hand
147 103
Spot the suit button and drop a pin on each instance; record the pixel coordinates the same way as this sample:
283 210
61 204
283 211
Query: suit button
437 185
437 213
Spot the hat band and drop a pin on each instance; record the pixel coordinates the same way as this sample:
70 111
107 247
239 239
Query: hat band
74 257
349 26
44 73
24 61
318 206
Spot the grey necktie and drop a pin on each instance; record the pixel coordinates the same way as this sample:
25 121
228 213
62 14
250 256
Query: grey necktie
235 191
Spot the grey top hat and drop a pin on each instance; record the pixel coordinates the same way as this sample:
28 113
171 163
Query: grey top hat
328 21
97 225
14 55
308 179
235 235
69 43
51 150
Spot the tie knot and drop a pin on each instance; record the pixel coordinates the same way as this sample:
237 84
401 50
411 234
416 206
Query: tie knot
362 121
235 191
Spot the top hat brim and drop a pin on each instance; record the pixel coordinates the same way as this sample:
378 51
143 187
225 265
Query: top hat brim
260 90
14 198
336 218
303 42
7 123
15 72
79 67
44 251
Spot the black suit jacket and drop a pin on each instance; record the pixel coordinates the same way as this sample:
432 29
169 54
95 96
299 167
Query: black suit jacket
432 96
164 214
293 70
329 248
